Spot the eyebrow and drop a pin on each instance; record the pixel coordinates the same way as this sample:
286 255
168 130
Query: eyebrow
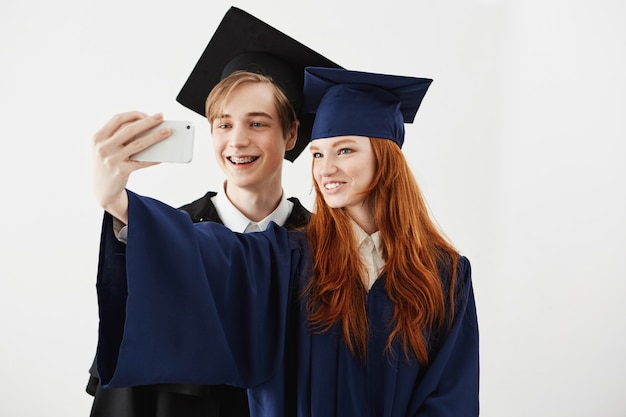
250 114
337 144
259 113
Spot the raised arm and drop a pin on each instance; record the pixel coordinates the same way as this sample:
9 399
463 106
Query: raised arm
113 145
196 303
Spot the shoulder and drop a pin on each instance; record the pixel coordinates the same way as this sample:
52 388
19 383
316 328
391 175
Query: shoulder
202 209
299 216
463 289
455 271
464 268
457 262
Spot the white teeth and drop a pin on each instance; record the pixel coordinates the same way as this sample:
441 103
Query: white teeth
332 185
242 160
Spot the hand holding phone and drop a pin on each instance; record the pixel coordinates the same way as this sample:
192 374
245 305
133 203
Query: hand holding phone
177 148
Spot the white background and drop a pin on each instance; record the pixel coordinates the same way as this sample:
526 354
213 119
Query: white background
518 146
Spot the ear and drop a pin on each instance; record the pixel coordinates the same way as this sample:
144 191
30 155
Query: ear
292 136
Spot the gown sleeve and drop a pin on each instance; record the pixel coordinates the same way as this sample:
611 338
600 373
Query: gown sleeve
198 303
449 387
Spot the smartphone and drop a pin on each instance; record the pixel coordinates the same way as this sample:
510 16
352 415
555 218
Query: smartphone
177 148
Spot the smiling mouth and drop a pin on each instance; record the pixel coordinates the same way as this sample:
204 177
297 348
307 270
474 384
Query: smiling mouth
242 160
332 185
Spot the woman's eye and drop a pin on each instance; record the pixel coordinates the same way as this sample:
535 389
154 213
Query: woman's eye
317 155
344 151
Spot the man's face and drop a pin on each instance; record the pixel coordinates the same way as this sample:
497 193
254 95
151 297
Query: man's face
248 140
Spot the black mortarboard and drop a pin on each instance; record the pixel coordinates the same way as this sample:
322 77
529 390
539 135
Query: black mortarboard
243 42
357 103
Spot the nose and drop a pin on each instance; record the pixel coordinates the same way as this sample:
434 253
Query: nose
238 137
325 166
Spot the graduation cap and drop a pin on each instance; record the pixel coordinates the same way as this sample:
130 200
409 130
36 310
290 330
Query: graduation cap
354 103
243 42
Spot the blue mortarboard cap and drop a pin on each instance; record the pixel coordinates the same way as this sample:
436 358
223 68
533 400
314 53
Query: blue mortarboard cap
354 103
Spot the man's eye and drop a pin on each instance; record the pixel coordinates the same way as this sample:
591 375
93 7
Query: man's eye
317 155
257 124
222 126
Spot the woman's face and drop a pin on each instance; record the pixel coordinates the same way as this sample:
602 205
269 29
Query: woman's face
343 168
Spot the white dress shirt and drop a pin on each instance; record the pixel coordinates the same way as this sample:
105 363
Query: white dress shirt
237 222
371 253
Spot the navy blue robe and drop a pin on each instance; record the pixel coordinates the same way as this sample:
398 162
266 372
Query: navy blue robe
208 306
171 400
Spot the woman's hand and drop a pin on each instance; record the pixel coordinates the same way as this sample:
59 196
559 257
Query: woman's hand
113 145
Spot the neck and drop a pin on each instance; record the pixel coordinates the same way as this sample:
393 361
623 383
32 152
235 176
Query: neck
255 205
364 219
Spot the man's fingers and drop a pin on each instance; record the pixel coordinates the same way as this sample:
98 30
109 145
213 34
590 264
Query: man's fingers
116 122
141 142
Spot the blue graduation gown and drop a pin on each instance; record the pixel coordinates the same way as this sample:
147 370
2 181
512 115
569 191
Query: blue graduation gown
202 304
172 400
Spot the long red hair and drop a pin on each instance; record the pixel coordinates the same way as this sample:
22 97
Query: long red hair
413 248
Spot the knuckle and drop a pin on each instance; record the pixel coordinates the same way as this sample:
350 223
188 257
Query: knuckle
128 131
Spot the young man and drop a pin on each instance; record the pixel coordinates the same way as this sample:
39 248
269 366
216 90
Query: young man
254 125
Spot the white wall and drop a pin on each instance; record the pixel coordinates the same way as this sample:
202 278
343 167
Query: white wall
519 147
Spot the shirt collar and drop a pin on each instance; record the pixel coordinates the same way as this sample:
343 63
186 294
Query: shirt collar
238 222
370 253
361 235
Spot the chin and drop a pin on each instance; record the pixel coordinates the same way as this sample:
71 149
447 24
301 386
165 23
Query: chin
332 203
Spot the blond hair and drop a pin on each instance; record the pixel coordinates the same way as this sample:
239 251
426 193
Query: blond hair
220 94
